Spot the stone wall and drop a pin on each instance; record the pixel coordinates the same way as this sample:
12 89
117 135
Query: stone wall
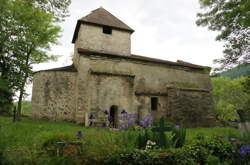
191 107
149 77
109 90
150 80
92 38
53 95
128 84
144 106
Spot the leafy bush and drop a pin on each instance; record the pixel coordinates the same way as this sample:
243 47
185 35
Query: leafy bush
228 95
142 138
134 157
200 150
5 98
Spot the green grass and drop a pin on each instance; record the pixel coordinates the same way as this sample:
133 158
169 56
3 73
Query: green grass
29 135
34 132
24 139
215 131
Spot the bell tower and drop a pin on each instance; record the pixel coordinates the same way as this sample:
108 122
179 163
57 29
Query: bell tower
100 31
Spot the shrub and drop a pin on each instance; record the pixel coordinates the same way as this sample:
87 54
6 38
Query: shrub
200 149
133 157
142 138
6 101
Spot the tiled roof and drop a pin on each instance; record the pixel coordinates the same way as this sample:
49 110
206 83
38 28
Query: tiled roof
70 68
101 17
142 58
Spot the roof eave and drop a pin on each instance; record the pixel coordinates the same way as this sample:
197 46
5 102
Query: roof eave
140 58
79 22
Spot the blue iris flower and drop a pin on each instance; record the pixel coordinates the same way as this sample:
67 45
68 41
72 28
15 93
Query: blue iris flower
123 111
177 126
79 134
243 153
244 147
143 123
106 112
110 119
244 150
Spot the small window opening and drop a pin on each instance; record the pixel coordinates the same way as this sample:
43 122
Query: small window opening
154 103
107 30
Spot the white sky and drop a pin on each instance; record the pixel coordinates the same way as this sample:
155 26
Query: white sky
164 29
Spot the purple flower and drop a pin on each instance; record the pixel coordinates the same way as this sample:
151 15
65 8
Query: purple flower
148 119
243 153
177 126
131 121
123 111
143 123
91 116
103 124
110 119
79 134
148 116
244 148
120 126
106 112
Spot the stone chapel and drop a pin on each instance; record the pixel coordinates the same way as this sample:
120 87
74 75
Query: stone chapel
105 76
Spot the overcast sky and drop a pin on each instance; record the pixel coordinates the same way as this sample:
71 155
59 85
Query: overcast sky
164 29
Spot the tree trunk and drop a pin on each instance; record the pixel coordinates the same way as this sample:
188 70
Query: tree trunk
20 99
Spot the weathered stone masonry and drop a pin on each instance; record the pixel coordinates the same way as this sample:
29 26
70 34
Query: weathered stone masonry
105 76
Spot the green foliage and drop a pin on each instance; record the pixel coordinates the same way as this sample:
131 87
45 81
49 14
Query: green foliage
231 18
50 145
142 138
22 142
236 72
179 137
246 89
229 96
134 157
5 97
213 160
25 107
200 150
160 133
27 31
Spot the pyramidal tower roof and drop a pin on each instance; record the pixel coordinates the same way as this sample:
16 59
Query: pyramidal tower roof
101 17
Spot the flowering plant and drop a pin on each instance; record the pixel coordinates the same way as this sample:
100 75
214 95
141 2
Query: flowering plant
244 150
150 145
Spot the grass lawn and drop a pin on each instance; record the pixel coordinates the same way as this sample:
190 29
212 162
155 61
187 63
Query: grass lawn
22 139
29 132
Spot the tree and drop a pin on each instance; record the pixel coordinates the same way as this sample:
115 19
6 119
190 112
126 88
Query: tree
6 97
246 87
228 96
231 18
27 31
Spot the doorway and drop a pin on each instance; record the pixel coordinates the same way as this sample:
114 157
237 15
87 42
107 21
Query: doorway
113 118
